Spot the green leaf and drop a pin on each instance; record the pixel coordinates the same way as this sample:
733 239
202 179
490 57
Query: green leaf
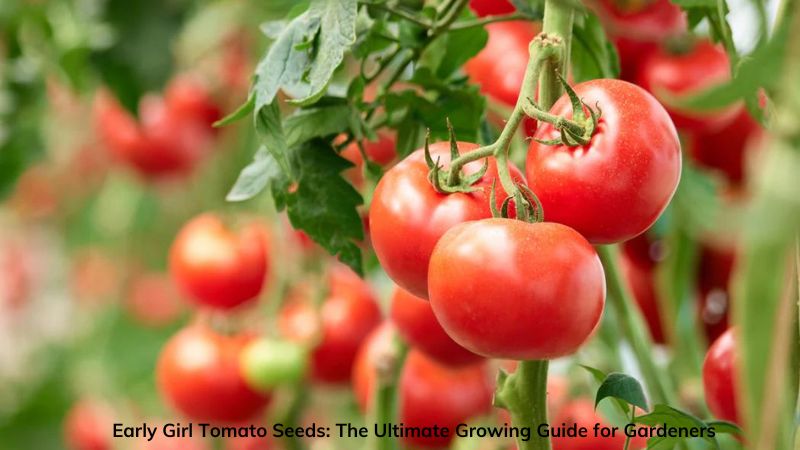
593 55
240 113
337 33
270 128
255 177
459 47
622 387
723 427
307 124
597 374
664 415
321 203
687 4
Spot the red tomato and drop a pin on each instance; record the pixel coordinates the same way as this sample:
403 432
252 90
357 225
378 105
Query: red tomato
615 187
407 216
216 267
640 277
198 374
429 393
188 98
382 152
726 150
719 377
638 31
501 77
671 76
153 300
415 321
582 413
508 289
87 426
491 7
336 332
714 275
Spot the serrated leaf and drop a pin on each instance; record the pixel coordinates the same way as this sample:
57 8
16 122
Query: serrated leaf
270 129
321 203
622 387
307 124
671 417
337 34
240 113
255 176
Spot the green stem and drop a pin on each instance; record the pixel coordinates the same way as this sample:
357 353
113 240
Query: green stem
558 19
523 393
399 13
486 20
450 15
385 401
633 328
294 413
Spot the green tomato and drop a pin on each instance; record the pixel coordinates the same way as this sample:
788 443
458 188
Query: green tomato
267 363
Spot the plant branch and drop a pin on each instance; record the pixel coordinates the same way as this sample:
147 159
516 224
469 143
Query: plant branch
487 20
558 20
523 394
399 13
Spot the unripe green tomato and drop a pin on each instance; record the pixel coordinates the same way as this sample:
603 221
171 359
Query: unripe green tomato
268 363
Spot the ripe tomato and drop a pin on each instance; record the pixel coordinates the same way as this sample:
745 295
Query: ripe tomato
407 216
189 99
198 374
415 321
429 393
670 76
483 8
714 275
336 331
216 267
719 377
382 152
87 425
504 288
615 187
582 413
638 31
153 300
726 150
640 276
501 77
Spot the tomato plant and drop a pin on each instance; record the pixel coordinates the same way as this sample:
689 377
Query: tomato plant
408 216
216 267
626 174
199 374
543 301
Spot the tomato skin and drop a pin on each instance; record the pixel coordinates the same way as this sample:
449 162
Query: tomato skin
338 329
407 216
198 373
719 377
382 152
508 289
483 8
582 412
639 31
189 99
416 322
727 150
87 425
429 393
615 187
501 78
676 75
216 267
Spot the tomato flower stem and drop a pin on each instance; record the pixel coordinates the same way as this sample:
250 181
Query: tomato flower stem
634 328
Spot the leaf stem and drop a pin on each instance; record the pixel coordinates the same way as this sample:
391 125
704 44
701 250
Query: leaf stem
634 328
487 20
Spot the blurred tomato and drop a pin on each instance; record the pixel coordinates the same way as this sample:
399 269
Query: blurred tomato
582 413
719 377
216 267
429 393
161 442
189 99
95 276
198 373
153 300
88 425
16 274
335 331
381 152
638 265
726 150
671 76
248 443
491 7
713 278
36 194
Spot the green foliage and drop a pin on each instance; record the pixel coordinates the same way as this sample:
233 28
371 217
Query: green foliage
622 387
593 54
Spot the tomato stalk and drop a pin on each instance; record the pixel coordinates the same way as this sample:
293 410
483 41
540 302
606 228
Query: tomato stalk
524 394
558 19
385 400
634 327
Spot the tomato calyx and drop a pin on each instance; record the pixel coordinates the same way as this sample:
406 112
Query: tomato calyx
529 207
575 132
451 181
